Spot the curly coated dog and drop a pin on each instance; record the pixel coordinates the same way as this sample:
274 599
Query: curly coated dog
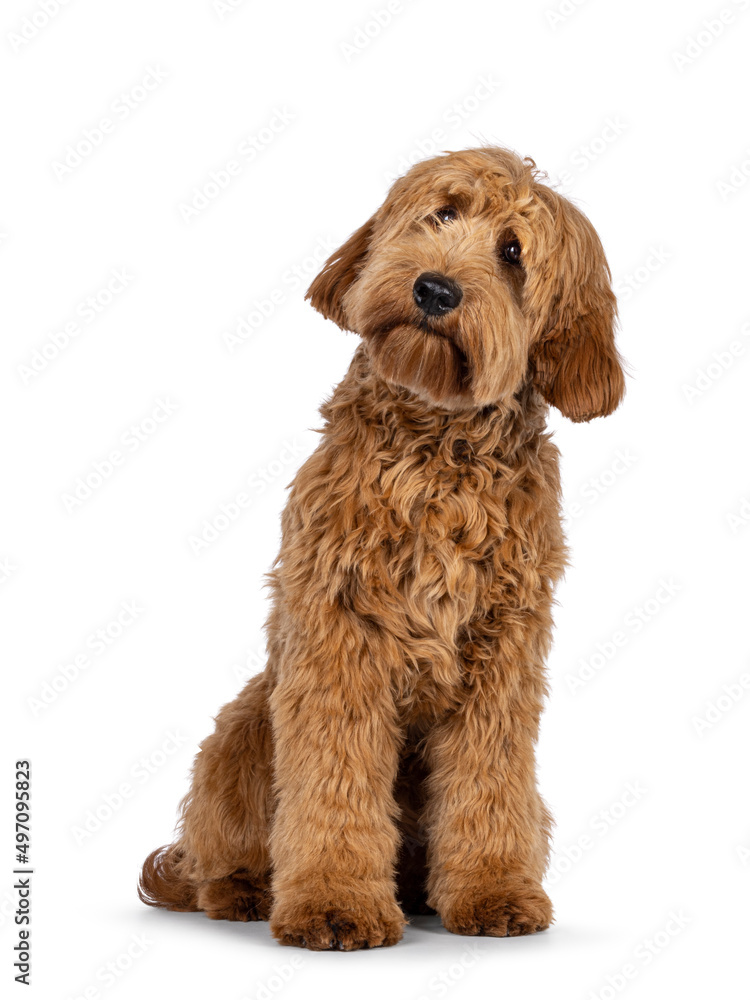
383 762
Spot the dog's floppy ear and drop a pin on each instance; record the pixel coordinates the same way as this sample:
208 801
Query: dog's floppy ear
342 268
576 366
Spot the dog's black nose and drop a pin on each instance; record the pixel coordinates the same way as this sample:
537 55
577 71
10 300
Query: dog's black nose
435 294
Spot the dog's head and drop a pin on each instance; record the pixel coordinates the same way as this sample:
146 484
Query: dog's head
473 278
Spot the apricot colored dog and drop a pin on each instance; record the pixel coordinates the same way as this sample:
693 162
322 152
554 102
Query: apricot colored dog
383 762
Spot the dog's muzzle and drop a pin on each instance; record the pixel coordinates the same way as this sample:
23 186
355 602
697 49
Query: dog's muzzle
435 294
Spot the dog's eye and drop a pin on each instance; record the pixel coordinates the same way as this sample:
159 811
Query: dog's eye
510 252
446 214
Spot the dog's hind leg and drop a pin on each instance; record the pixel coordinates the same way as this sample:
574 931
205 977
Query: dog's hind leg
220 864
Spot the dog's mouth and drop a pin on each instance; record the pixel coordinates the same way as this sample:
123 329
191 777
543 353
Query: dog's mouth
422 352
381 332
427 327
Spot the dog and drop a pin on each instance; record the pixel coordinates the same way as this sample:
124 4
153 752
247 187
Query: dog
383 762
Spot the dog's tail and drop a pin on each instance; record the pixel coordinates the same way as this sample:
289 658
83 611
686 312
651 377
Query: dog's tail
163 882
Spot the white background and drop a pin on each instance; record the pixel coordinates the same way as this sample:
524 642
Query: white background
651 145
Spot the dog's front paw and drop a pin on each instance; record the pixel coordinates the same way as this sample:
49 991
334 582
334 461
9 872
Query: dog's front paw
343 927
513 907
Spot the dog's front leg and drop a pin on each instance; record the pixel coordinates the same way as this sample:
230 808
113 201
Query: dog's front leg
488 828
336 744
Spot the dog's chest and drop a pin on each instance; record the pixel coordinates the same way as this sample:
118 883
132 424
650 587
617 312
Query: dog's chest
442 523
440 528
432 544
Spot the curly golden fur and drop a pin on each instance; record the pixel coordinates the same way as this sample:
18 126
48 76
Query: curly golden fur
383 762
